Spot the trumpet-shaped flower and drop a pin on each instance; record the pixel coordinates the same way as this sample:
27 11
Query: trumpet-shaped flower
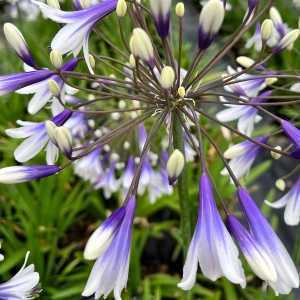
75 34
212 246
287 274
110 272
291 202
36 138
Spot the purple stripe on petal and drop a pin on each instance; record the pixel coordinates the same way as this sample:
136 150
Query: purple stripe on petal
61 118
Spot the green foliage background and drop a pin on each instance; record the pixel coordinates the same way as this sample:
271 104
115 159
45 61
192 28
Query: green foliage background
54 217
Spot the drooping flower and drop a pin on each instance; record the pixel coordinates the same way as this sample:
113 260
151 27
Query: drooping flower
287 274
36 138
291 202
17 174
23 285
110 272
75 34
242 156
212 246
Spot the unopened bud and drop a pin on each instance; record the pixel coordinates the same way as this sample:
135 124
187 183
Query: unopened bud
275 16
180 9
167 77
56 58
141 45
245 61
92 61
210 22
54 87
121 8
276 155
267 28
280 184
64 140
17 41
132 61
288 40
181 91
175 165
161 12
53 3
51 130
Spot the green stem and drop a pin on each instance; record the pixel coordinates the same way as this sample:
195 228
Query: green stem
182 186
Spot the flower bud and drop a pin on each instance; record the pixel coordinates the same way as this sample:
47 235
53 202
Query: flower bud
15 38
64 140
161 13
245 61
132 61
53 3
175 165
288 40
141 45
271 80
267 28
56 59
51 130
276 155
92 61
167 77
180 9
121 8
210 22
181 92
275 16
54 87
280 184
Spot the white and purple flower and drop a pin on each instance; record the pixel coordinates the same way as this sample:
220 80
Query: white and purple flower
212 246
287 274
111 244
291 202
75 34
36 138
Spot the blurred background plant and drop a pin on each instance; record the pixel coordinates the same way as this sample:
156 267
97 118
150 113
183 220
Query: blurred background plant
54 217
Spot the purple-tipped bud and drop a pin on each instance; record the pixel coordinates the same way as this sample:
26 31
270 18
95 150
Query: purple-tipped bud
161 13
293 134
18 174
210 22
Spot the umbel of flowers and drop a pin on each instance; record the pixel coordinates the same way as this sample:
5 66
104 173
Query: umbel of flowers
133 132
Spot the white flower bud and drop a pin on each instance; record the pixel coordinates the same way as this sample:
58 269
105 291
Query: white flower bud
175 165
234 151
64 140
16 40
180 9
132 61
280 184
181 91
275 15
121 8
288 40
92 61
212 16
267 28
271 80
51 130
56 58
141 45
245 61
167 77
122 104
53 3
276 155
54 87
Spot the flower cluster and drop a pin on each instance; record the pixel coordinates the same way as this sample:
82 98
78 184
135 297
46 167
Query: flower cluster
133 132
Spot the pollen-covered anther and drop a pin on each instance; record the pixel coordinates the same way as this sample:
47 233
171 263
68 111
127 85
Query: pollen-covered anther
53 3
56 58
180 9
